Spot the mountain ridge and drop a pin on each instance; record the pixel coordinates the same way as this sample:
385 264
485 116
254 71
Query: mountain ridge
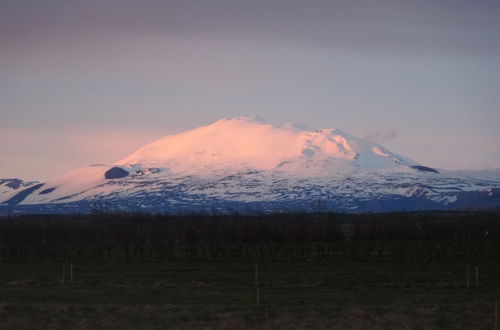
252 142
249 164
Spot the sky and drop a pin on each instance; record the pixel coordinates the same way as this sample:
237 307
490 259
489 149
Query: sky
91 81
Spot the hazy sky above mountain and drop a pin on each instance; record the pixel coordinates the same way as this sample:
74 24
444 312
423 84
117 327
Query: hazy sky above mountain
90 81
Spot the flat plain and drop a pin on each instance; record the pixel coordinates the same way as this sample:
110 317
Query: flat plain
338 284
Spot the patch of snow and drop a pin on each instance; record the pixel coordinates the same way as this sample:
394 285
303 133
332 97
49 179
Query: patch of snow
380 152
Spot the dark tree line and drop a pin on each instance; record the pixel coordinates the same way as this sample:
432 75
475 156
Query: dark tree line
422 237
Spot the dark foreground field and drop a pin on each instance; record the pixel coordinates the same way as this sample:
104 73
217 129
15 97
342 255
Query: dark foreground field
314 272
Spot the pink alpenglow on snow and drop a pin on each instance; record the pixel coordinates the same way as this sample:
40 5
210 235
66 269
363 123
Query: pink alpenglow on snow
252 142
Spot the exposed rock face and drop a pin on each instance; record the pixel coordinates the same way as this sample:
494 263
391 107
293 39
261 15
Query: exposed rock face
115 173
424 169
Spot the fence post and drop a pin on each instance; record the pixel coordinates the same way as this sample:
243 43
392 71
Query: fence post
63 273
496 312
257 293
468 276
477 276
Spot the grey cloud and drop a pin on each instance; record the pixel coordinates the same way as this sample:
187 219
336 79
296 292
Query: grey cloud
384 26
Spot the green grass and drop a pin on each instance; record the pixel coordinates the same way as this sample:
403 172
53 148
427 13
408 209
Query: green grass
222 295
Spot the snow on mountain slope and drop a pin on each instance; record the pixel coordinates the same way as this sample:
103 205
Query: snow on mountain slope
249 142
246 162
486 174
65 186
10 185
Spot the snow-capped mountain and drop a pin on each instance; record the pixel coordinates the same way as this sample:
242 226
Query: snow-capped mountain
9 185
246 164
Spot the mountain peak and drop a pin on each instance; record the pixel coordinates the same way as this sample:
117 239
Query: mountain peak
249 119
258 120
255 143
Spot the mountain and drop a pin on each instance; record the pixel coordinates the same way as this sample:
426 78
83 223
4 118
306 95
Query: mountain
10 185
246 164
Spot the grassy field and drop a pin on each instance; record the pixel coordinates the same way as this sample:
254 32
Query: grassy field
315 271
187 295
